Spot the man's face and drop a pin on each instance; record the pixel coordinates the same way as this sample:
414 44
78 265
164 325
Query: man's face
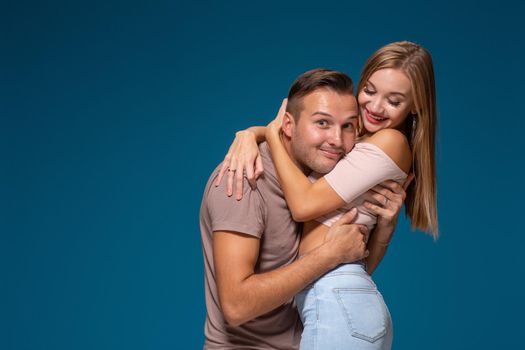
325 130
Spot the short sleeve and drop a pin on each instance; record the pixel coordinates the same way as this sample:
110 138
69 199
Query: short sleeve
228 214
361 169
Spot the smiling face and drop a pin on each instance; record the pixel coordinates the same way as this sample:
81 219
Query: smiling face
385 100
325 130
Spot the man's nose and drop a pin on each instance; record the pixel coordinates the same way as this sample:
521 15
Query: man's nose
336 137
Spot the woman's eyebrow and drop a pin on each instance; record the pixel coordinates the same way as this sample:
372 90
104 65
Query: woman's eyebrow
398 93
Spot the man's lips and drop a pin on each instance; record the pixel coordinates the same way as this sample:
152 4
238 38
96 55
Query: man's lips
331 153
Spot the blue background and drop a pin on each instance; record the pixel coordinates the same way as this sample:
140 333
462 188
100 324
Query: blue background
115 112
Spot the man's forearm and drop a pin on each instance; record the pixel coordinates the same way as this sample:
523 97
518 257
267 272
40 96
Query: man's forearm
261 293
377 246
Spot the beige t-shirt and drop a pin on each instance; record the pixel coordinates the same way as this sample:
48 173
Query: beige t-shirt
262 213
361 169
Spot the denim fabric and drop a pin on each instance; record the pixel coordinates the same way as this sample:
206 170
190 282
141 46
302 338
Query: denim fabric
344 310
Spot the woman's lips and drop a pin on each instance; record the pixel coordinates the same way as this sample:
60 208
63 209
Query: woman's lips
373 119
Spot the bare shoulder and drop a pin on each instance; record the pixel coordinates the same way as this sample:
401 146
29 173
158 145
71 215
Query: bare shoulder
395 144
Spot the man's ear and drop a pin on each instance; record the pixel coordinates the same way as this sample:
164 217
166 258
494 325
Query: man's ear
288 124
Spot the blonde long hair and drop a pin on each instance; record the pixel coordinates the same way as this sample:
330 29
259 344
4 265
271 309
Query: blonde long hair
420 128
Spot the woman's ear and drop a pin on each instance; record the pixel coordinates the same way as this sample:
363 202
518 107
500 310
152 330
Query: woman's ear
288 124
413 110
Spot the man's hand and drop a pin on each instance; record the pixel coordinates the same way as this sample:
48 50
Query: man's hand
346 241
245 294
386 200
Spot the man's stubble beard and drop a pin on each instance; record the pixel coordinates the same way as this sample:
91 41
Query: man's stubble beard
307 157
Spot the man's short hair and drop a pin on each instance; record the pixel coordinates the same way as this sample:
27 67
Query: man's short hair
313 80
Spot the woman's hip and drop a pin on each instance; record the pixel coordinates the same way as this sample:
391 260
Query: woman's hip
345 307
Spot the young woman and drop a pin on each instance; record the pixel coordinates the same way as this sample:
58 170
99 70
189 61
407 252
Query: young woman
396 96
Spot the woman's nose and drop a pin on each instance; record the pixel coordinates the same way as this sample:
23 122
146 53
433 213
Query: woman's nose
376 106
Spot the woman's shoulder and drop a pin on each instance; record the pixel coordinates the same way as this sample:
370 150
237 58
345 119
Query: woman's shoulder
395 145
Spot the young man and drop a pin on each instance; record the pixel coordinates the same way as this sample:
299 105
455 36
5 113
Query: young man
250 245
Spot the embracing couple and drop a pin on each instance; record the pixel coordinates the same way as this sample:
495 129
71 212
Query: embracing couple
301 212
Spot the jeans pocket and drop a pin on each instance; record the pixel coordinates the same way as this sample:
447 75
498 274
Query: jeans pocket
365 312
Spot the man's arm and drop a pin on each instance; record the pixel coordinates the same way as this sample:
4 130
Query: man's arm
245 295
391 193
378 246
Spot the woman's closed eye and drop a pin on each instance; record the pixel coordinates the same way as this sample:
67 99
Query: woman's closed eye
394 103
368 91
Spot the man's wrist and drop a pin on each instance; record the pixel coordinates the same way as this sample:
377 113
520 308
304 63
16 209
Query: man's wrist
383 235
326 257
386 227
382 242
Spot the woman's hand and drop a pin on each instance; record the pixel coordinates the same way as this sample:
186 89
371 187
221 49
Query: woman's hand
242 157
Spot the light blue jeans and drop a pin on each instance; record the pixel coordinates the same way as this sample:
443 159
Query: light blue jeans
344 310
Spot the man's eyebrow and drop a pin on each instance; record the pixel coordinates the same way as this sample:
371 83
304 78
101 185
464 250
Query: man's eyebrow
355 116
322 113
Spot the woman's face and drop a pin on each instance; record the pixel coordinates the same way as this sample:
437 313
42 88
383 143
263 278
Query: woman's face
385 100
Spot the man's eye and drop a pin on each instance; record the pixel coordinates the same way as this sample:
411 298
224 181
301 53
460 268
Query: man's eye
322 122
349 126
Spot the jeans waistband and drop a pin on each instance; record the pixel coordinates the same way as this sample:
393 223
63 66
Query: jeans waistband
358 266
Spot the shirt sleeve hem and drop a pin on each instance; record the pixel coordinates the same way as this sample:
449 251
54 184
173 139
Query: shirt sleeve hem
236 227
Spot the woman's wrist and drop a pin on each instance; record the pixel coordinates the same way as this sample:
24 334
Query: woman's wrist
257 133
245 133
